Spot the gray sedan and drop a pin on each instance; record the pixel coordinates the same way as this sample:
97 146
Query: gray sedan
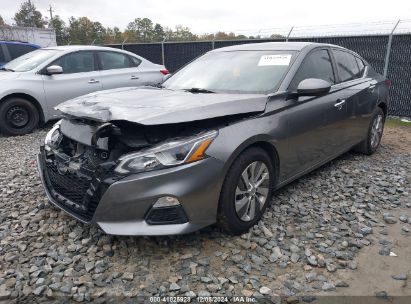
33 84
215 141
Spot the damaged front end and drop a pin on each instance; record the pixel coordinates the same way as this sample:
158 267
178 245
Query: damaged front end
77 166
81 159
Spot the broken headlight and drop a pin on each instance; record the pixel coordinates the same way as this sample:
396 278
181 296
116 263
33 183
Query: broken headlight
53 137
171 153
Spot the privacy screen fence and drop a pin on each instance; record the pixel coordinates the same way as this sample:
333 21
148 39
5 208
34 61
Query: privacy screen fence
374 48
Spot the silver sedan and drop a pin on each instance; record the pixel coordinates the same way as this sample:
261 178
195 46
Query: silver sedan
33 84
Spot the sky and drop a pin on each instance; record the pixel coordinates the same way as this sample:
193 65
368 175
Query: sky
210 16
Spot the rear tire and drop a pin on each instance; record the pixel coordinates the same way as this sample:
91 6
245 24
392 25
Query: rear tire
18 116
246 191
374 135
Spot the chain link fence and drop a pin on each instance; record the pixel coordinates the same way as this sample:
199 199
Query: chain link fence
389 54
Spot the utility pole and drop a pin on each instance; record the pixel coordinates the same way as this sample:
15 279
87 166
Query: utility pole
30 14
50 10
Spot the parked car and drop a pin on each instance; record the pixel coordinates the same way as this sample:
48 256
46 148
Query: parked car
10 50
215 141
33 84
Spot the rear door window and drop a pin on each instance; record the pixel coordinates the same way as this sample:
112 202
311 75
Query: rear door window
114 60
346 65
78 62
317 64
17 50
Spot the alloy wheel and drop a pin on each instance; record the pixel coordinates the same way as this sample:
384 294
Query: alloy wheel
376 131
252 191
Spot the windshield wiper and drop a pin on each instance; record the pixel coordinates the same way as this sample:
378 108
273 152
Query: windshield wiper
6 69
198 90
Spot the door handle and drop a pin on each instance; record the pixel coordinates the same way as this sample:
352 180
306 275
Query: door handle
134 77
371 87
339 104
93 81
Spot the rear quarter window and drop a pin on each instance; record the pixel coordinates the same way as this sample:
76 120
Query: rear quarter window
17 50
135 61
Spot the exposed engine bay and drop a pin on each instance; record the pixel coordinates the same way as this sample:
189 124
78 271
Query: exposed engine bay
81 157
91 143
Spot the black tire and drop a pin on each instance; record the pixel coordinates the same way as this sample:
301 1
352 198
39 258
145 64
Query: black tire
228 218
366 147
18 116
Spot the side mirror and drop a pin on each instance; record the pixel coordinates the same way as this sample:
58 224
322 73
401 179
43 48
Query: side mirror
313 87
54 69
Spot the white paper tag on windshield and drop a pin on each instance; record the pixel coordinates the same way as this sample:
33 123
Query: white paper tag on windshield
283 59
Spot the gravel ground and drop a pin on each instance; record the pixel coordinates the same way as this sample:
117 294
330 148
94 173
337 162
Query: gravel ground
309 242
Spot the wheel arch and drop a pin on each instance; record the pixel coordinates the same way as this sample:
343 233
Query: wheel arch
29 98
384 108
261 141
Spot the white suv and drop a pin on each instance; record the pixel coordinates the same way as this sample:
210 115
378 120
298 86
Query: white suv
33 84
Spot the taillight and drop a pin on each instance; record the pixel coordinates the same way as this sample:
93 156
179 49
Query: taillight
164 72
388 82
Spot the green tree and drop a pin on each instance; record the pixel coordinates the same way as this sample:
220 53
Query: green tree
99 32
147 30
206 37
29 16
182 33
276 36
159 33
222 36
141 30
113 35
59 27
2 21
225 36
84 31
133 30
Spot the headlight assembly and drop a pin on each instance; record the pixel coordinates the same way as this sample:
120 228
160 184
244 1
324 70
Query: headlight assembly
53 137
168 154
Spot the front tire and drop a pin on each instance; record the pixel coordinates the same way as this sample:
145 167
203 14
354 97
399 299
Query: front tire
18 116
374 135
246 191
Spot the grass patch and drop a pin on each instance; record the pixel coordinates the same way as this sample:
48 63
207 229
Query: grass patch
393 122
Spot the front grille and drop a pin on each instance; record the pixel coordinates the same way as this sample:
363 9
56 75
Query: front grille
77 192
166 215
72 186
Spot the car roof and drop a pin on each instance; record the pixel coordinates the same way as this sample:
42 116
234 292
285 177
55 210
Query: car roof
271 46
80 48
20 43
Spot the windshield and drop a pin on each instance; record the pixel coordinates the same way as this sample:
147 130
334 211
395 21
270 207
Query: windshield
30 60
238 71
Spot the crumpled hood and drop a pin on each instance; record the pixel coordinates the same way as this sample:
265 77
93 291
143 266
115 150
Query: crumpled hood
5 75
154 106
